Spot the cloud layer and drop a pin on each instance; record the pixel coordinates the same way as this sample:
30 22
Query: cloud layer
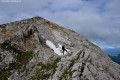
97 20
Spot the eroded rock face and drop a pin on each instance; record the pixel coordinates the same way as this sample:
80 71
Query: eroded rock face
24 54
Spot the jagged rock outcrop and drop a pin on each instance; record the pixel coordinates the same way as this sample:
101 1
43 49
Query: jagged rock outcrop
24 54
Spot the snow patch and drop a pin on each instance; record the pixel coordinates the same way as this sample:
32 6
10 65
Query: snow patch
50 44
56 50
60 46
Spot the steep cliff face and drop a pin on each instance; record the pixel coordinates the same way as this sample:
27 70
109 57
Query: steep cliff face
31 49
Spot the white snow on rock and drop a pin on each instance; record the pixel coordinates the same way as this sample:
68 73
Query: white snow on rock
50 44
56 50
60 46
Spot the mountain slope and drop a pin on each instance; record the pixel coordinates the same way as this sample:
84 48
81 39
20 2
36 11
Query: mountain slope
31 50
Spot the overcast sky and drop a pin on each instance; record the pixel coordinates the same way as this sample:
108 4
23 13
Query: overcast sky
97 20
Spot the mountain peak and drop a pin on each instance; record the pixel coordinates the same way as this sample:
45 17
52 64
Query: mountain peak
38 49
37 17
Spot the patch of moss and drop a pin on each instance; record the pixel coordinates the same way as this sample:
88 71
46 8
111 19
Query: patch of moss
7 46
72 63
45 71
22 58
68 73
4 73
82 69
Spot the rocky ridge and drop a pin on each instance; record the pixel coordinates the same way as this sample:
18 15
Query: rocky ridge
24 54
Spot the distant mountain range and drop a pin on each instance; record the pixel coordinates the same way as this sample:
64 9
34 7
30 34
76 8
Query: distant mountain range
112 51
115 58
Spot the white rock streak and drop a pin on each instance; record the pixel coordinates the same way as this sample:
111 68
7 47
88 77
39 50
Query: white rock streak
52 46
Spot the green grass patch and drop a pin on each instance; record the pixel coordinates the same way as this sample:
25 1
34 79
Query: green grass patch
45 70
82 69
68 73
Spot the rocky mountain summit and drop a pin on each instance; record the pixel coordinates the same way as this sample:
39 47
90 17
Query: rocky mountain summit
31 49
